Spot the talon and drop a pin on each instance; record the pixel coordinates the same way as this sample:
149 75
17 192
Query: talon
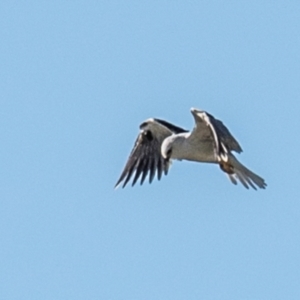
226 167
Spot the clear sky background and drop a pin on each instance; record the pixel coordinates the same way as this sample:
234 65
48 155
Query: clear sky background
77 79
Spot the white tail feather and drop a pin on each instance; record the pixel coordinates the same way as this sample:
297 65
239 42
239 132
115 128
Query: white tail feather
245 176
232 178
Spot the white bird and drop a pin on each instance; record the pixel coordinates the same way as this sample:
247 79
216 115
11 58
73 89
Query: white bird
210 141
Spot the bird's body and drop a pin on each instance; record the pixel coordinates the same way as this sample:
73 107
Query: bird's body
210 142
186 146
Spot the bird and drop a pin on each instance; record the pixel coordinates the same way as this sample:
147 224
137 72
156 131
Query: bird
160 142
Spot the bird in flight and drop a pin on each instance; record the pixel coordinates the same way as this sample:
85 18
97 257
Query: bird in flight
210 141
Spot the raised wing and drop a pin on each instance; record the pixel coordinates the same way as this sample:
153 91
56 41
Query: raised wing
225 136
145 157
211 128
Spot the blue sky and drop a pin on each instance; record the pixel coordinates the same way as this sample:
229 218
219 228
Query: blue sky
77 79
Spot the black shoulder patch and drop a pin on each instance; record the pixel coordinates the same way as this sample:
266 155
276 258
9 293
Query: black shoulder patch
173 128
148 134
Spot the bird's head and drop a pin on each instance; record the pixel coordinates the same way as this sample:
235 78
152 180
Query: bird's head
173 147
166 149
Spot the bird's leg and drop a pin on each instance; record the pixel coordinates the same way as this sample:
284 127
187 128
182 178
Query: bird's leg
226 167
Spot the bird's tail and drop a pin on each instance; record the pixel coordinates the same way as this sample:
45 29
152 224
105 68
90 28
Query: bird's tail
236 170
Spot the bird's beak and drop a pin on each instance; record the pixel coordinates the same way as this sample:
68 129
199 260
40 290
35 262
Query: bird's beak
167 155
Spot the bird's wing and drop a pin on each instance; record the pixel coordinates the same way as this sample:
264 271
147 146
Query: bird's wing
146 155
225 136
207 127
